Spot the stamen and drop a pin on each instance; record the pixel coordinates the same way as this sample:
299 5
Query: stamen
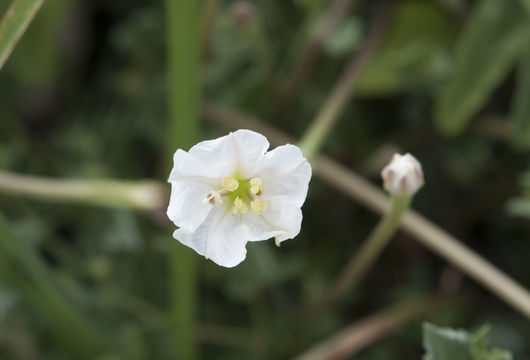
258 206
213 197
239 205
230 183
256 186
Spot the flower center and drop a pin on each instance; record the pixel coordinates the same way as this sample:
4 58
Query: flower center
241 193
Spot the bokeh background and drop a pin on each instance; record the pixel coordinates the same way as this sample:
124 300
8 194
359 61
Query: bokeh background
85 96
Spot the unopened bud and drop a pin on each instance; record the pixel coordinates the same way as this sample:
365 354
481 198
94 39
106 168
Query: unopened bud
403 175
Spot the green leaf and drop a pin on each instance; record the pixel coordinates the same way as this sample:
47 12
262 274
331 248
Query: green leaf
494 36
479 347
15 21
450 344
445 343
520 112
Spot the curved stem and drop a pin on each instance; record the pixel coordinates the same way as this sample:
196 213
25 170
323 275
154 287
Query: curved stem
309 54
368 253
328 114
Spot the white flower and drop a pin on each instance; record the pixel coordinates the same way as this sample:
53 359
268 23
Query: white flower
228 191
403 175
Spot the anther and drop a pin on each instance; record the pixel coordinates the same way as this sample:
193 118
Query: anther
213 197
239 205
258 206
256 186
230 183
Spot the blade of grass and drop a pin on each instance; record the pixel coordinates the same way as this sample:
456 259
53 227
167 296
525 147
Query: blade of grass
183 67
14 23
25 272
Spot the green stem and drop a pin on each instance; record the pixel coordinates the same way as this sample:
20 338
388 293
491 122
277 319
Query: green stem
328 114
369 251
74 333
184 98
144 195
14 23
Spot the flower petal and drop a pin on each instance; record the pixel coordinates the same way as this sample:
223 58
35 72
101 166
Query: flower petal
249 147
178 158
282 220
286 173
223 156
187 208
260 228
187 195
221 238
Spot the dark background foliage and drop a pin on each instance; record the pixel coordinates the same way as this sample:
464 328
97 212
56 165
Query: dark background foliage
84 95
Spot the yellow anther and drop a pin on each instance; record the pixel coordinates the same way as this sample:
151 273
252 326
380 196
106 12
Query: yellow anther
256 186
230 183
258 206
239 205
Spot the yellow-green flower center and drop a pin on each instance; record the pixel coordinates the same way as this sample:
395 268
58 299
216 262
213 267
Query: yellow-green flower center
240 194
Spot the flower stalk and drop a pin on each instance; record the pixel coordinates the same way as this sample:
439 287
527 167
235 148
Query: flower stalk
369 251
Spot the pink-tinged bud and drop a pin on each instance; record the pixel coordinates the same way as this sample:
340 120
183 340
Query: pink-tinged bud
403 175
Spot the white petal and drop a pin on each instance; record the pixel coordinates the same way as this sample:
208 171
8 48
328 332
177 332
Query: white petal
211 159
282 219
249 149
221 238
178 158
285 172
260 228
187 208
223 156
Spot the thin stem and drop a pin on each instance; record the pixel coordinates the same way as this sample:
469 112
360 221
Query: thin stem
182 23
144 195
363 333
304 64
367 254
426 232
14 23
328 114
207 20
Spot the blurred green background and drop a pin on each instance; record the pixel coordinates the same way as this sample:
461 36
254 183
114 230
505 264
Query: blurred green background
85 95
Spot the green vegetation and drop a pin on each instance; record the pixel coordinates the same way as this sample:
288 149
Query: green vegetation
95 97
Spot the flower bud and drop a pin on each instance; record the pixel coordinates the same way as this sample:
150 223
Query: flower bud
403 175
